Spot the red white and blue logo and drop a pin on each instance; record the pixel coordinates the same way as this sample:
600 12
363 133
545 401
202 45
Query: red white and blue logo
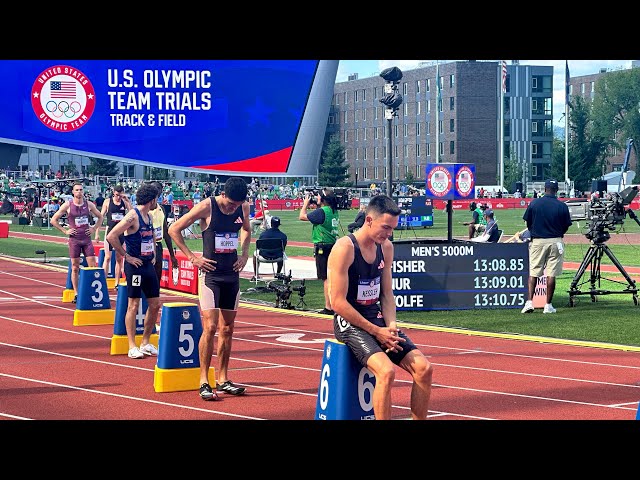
439 181
63 98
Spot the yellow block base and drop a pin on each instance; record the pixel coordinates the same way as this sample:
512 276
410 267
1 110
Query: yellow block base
68 294
111 283
179 379
94 317
120 343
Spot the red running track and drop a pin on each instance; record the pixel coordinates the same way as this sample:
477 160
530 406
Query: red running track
52 370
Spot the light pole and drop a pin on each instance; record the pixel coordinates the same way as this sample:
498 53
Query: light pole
392 101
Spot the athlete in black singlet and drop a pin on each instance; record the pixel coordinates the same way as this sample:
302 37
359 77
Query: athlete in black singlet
360 286
224 222
114 209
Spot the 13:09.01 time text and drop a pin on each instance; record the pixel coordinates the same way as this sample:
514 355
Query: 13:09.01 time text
499 282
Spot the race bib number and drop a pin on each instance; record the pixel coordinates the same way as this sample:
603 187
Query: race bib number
147 248
116 217
136 280
157 233
226 242
82 221
368 291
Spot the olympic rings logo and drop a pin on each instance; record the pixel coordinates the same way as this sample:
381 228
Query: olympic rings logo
63 108
63 98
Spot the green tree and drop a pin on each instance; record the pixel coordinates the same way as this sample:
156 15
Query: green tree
587 146
616 106
155 173
333 169
512 171
71 168
409 178
102 167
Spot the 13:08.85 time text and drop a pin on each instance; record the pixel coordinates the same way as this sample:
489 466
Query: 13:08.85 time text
498 265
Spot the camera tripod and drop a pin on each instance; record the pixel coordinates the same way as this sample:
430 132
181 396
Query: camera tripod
592 259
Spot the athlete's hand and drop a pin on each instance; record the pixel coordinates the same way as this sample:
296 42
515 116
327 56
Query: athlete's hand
240 263
205 264
135 261
174 261
389 338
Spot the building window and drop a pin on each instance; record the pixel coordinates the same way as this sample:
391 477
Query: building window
534 149
375 133
428 106
534 127
593 87
417 86
452 103
452 80
507 105
405 88
364 153
428 128
345 98
534 84
418 170
395 131
440 126
346 137
441 148
406 109
357 136
364 114
452 149
405 130
337 99
534 105
345 117
428 85
582 88
355 96
375 154
364 95
375 172
365 172
418 129
364 133
375 113
395 151
356 115
534 171
417 149
428 149
417 108
452 124
405 151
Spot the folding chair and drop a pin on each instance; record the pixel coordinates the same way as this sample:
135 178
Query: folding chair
500 233
268 244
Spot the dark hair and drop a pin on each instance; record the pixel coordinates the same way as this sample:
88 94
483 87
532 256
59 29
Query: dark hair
236 189
118 188
330 199
472 206
158 186
146 193
382 204
275 222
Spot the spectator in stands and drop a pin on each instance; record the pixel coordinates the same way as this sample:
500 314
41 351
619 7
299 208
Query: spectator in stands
272 232
99 200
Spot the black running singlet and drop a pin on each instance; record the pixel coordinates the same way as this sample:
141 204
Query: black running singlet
364 281
221 238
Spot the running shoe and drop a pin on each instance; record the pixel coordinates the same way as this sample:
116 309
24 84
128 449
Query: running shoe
135 353
75 299
528 307
207 393
149 349
326 311
548 308
230 388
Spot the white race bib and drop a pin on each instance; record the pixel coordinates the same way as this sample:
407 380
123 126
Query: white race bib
147 248
226 242
117 217
157 233
81 221
368 291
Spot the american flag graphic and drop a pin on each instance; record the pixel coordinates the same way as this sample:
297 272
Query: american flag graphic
438 176
62 89
504 76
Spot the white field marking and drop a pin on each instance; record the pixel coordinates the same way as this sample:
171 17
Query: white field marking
6 415
31 279
67 309
425 347
128 397
443 386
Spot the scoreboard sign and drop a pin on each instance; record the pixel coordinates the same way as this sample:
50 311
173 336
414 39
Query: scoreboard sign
459 275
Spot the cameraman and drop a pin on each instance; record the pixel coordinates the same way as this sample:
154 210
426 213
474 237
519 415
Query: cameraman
324 233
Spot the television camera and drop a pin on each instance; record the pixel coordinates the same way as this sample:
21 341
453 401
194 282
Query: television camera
603 215
284 287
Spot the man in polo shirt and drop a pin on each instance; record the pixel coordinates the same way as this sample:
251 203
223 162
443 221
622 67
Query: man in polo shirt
548 219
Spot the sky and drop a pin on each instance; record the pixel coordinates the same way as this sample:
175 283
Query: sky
372 68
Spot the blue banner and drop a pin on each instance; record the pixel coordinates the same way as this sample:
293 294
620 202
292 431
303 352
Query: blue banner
226 115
